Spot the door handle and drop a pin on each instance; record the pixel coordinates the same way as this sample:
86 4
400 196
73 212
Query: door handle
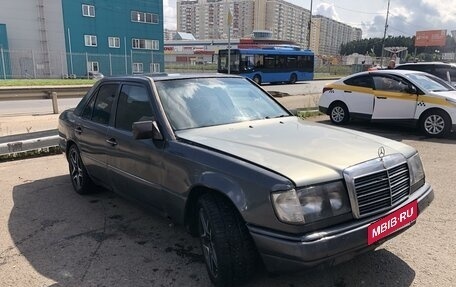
381 98
78 130
112 141
347 92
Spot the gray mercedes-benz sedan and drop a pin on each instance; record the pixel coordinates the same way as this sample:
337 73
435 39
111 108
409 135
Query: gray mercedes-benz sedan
253 182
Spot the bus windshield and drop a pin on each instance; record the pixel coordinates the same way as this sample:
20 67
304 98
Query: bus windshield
269 64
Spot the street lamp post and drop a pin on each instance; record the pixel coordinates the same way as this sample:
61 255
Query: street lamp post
309 28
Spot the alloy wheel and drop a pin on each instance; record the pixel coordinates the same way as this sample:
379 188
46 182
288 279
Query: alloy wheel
207 244
434 124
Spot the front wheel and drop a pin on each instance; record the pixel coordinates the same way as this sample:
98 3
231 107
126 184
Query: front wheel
338 113
257 79
82 184
228 249
436 123
293 79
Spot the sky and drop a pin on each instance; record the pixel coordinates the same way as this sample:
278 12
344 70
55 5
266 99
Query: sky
405 16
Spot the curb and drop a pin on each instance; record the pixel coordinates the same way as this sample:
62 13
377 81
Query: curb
29 145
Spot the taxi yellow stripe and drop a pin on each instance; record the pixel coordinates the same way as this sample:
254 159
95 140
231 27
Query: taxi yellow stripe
396 95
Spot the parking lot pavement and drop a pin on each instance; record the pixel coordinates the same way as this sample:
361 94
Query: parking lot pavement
50 236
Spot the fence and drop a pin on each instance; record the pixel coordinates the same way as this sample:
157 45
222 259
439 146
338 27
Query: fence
31 64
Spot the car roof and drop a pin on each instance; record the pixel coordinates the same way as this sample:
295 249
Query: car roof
385 72
425 63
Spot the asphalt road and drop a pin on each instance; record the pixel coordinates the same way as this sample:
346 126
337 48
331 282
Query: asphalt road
50 236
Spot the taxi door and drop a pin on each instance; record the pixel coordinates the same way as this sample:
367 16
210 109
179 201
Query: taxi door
393 98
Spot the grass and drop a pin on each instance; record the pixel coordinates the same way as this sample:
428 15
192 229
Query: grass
45 82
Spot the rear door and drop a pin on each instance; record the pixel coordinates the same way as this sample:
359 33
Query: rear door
392 99
91 129
357 94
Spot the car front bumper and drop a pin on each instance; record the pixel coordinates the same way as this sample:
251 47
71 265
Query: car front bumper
329 246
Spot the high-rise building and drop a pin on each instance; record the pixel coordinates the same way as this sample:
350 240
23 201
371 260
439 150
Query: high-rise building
207 19
328 35
52 38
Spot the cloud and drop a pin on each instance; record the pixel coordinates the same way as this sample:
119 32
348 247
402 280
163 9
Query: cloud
169 11
327 10
408 16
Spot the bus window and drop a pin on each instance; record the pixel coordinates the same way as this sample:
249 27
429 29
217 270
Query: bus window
259 62
292 62
269 62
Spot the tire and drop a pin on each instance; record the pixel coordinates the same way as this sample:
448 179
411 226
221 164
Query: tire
257 79
435 123
228 250
293 79
338 113
80 179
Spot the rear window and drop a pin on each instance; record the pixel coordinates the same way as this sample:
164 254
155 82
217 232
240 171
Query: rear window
360 81
421 68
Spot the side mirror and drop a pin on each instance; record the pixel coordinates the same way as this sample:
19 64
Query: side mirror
146 130
412 90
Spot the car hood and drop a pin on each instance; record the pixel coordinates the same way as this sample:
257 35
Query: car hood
305 152
448 95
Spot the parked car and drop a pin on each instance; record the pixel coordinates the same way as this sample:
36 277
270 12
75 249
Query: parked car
221 156
95 75
445 71
400 96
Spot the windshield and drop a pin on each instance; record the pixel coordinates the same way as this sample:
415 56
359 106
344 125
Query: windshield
202 102
430 83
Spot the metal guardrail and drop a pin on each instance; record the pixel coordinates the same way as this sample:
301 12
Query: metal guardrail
42 93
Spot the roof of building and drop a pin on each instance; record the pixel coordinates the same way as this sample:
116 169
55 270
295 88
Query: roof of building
183 36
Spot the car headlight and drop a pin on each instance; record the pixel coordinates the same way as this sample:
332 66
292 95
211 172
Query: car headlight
416 172
311 203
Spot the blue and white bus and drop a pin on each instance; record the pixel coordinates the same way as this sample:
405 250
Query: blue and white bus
269 65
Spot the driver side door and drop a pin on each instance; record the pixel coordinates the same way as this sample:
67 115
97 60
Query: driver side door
393 98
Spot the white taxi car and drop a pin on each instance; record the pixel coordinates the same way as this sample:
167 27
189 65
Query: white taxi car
407 97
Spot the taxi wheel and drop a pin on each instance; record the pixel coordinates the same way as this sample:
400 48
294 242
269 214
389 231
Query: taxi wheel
338 113
80 179
436 123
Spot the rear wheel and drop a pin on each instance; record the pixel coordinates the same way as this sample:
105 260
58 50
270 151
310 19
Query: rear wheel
257 79
436 123
228 249
82 184
338 113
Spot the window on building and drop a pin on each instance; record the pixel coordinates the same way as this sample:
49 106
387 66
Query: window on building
90 40
138 67
88 10
145 44
155 68
114 42
92 66
143 17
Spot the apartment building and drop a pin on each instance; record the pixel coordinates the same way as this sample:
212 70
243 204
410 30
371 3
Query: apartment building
207 19
327 35
55 38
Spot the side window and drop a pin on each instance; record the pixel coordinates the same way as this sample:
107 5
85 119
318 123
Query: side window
441 72
390 84
133 106
87 112
103 103
361 81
